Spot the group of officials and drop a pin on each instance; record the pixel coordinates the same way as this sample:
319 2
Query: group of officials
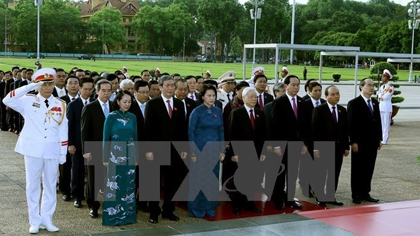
55 131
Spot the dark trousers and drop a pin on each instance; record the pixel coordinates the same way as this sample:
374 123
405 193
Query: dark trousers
327 174
9 117
65 176
95 182
78 176
362 167
4 125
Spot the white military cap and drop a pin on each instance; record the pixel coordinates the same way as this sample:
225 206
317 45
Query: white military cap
387 73
44 74
227 77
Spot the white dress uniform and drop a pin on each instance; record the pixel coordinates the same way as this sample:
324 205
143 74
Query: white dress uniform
43 142
385 93
222 95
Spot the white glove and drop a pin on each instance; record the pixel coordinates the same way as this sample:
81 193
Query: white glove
62 159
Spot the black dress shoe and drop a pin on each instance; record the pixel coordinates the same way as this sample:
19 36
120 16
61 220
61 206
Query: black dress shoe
170 216
321 204
336 203
279 206
153 219
77 204
236 211
370 199
253 209
294 204
93 213
66 197
356 200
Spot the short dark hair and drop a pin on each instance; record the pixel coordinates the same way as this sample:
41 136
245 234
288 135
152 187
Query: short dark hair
241 85
60 70
100 82
326 89
152 82
287 79
362 83
134 77
27 70
190 77
72 77
111 77
204 90
144 71
260 76
85 80
15 68
198 77
313 85
118 72
210 81
307 84
139 84
94 73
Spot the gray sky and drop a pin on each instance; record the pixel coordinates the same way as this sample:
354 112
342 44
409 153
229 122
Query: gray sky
402 2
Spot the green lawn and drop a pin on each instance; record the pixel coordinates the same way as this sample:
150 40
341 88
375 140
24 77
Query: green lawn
187 68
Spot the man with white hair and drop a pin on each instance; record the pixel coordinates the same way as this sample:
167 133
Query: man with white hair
385 93
43 142
127 85
247 123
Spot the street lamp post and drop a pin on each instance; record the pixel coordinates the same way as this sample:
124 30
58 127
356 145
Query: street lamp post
255 14
38 3
414 12
5 32
293 31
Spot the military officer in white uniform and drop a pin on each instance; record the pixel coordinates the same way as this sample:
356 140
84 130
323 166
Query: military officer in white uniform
43 142
385 93
284 73
227 85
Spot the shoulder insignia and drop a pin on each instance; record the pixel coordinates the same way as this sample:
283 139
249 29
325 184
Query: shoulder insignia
59 99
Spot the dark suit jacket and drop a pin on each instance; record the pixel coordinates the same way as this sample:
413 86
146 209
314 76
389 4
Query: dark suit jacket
8 87
309 111
66 98
158 125
241 127
267 99
74 114
324 127
55 94
135 109
23 83
2 94
283 124
363 126
92 123
306 97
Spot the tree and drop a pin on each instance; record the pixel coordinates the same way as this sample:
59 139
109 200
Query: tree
105 25
60 25
163 29
220 17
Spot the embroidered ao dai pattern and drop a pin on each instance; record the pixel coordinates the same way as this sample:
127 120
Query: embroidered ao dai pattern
120 135
206 124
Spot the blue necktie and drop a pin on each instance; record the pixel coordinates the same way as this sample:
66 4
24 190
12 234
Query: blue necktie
370 106
106 110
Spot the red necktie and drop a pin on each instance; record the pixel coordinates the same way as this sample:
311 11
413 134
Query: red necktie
252 118
169 108
334 115
261 103
295 108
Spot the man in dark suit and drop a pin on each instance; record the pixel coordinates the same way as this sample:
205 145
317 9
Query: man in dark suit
181 92
165 121
72 86
247 124
74 113
92 125
260 82
138 107
329 123
314 100
3 86
306 87
60 83
288 123
9 87
278 91
192 86
365 138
